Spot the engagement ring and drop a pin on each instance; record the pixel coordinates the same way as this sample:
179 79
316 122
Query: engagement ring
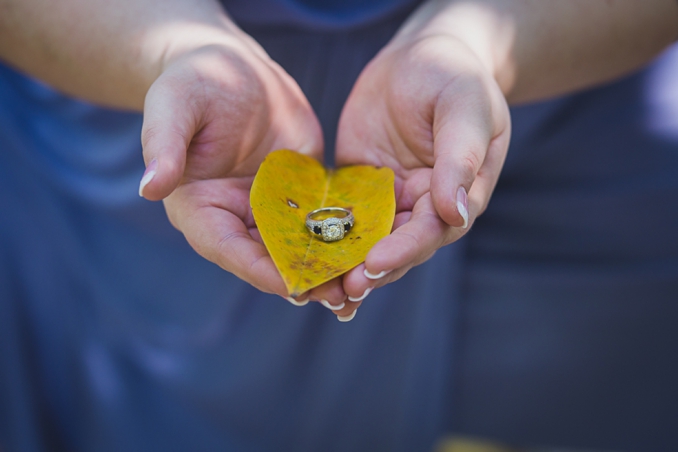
333 228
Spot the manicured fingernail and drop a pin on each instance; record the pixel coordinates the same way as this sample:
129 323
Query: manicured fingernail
362 297
377 276
346 318
149 174
297 303
462 205
332 307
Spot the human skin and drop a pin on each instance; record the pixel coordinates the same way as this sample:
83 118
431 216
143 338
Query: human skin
437 98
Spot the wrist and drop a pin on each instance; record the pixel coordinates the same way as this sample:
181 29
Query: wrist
538 50
478 27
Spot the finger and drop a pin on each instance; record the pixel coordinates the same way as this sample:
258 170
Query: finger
463 130
488 175
256 235
358 286
411 187
168 127
227 243
222 237
412 243
330 294
471 119
300 300
350 316
400 219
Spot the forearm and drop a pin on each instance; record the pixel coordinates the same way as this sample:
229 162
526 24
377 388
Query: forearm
542 48
106 51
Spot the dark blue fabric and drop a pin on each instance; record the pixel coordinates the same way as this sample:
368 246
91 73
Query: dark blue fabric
552 323
571 293
319 15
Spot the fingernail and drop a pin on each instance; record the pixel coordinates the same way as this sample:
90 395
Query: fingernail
149 174
362 297
347 318
297 303
377 276
462 205
331 307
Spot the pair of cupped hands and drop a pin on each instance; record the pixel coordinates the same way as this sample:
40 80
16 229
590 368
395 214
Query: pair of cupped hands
425 107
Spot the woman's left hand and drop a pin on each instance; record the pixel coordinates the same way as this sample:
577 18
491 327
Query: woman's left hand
427 108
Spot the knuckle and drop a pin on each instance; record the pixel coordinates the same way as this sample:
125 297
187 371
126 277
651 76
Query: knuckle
226 244
252 267
413 242
148 134
470 164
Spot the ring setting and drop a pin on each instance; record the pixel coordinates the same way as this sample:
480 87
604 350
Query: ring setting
333 228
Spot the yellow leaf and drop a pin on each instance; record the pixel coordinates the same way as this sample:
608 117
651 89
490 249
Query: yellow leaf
289 185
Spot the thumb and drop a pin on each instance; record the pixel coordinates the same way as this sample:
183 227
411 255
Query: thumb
168 128
463 133
472 131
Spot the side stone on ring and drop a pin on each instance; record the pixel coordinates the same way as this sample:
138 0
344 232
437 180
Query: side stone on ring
333 228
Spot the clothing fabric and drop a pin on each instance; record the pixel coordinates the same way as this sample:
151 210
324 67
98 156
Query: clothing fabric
551 323
317 15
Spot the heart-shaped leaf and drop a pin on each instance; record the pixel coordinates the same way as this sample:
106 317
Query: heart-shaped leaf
289 185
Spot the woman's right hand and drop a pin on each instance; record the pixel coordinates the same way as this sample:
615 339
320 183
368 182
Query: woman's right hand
211 117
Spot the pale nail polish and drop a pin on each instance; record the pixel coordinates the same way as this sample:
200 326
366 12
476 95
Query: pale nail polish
347 318
362 297
332 307
377 276
297 303
462 205
149 174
